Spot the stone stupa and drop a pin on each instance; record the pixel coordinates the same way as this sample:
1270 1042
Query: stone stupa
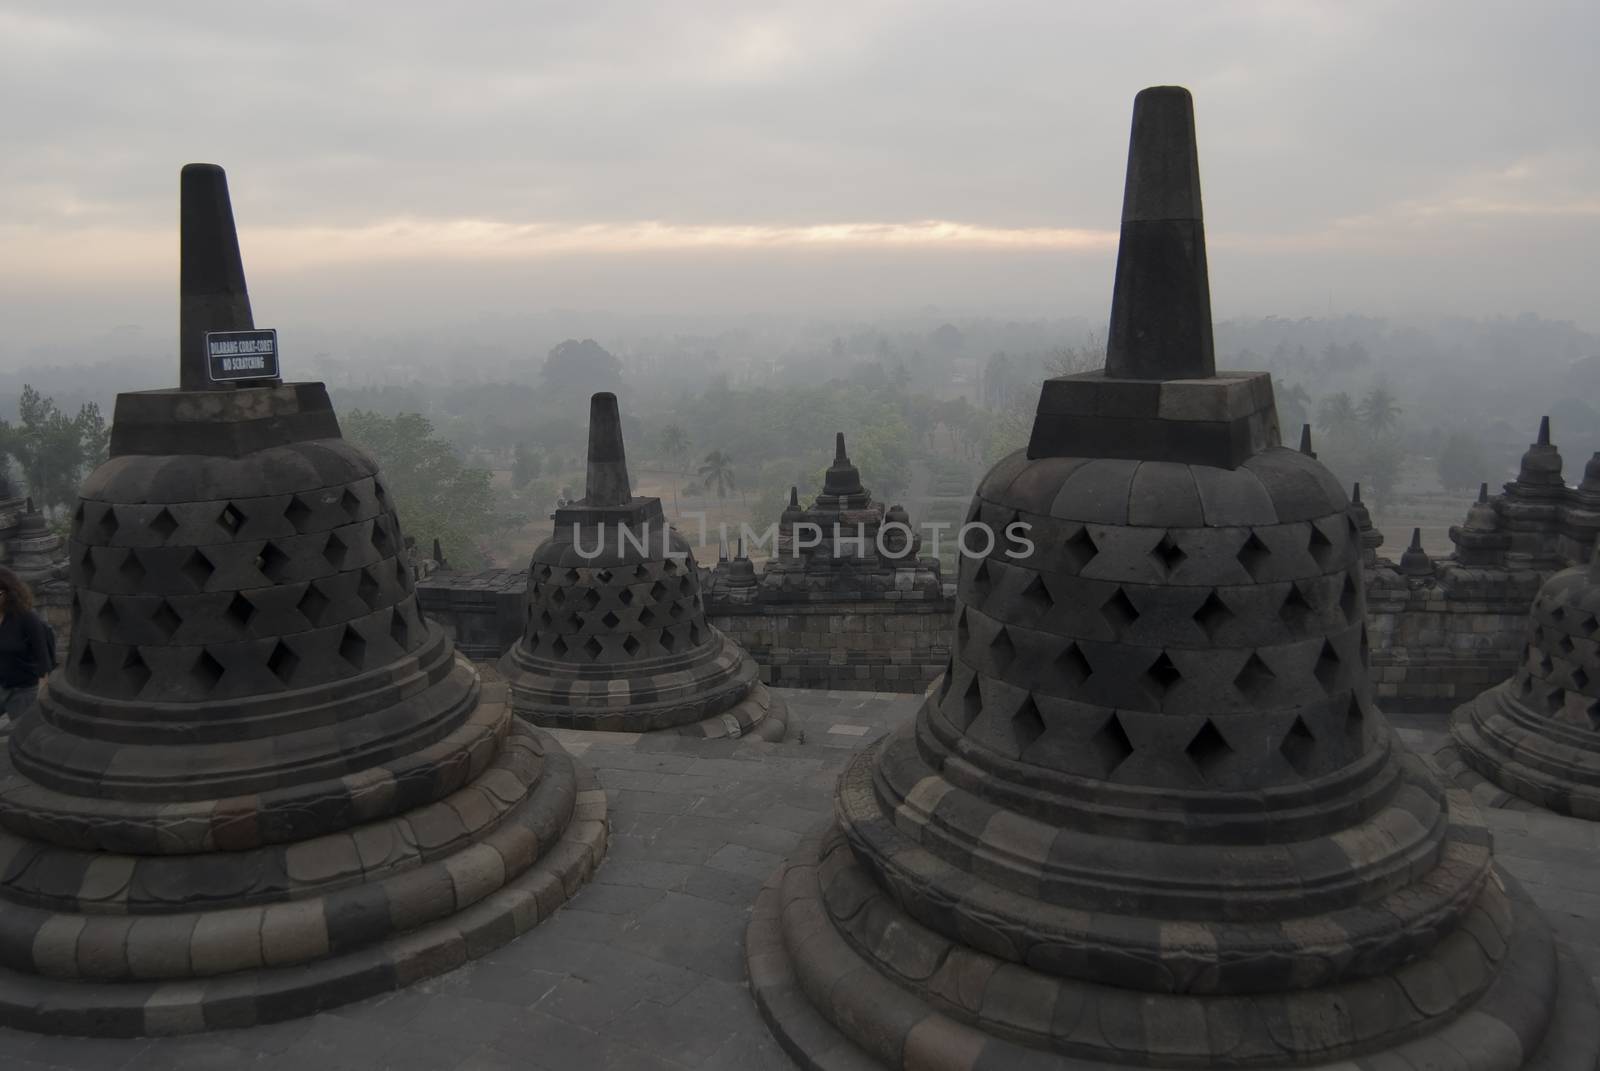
616 636
1537 735
260 784
1150 816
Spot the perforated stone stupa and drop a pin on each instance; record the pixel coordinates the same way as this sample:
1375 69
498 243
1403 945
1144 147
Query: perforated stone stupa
260 784
616 636
1537 735
1150 816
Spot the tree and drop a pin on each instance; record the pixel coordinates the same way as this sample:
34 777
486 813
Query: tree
1378 412
435 493
674 444
1336 416
55 451
577 369
525 466
1462 465
716 472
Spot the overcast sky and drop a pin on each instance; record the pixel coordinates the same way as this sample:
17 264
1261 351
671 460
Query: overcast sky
406 161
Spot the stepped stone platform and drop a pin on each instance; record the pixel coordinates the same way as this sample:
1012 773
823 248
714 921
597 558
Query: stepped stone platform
643 970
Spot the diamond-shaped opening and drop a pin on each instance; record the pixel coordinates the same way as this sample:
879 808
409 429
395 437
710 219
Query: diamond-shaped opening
1580 679
1080 549
1355 724
1299 747
1208 750
590 599
298 514
1026 724
1168 554
1213 615
206 671
675 611
668 641
963 630
1546 665
313 604
558 647
380 537
1319 546
545 620
380 493
1296 611
86 665
574 622
594 649
630 644
353 647
240 610
603 576
197 568
647 617
1255 679
107 525
1365 648
399 629
694 634
1110 745
642 571
1590 626
945 680
658 591
272 562
164 524
669 567
132 570
971 702
1558 614
368 590
1564 645
1162 675
1538 634
77 515
1525 683
231 519
166 619
610 620
135 674
1001 649
1037 597
982 582
1073 667
1120 611
86 563
1554 700
281 663
558 597
1253 556
334 551
402 574
108 618
1349 598
625 596
350 504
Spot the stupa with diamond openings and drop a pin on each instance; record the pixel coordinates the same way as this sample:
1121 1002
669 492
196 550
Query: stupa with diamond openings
616 636
260 784
1150 816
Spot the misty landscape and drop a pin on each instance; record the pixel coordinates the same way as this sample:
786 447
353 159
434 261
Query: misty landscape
485 498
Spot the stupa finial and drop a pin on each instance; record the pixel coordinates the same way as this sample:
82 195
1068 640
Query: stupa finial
608 466
839 456
1161 304
212 292
1305 441
1544 431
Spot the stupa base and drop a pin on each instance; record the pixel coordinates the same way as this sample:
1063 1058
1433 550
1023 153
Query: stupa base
87 967
834 1009
1497 752
760 715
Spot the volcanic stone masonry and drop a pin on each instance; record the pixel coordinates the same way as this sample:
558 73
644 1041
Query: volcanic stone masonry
1151 817
615 635
1536 737
261 784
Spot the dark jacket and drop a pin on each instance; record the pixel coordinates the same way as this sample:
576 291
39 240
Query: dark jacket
22 650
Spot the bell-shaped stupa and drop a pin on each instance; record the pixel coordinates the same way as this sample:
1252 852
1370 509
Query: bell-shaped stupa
1537 735
1150 817
260 784
616 636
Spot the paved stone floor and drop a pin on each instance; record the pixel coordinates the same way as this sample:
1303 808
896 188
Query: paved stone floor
644 968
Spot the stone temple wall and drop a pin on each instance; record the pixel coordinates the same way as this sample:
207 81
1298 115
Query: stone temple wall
896 642
1439 640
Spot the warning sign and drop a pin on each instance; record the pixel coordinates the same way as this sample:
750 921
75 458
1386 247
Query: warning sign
234 355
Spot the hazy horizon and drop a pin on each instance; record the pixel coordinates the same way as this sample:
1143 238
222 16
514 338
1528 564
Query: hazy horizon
397 168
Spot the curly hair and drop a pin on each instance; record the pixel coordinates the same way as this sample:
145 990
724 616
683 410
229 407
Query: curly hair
15 589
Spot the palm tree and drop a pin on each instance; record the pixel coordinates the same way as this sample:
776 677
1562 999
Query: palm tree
1337 416
1378 412
717 472
674 444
